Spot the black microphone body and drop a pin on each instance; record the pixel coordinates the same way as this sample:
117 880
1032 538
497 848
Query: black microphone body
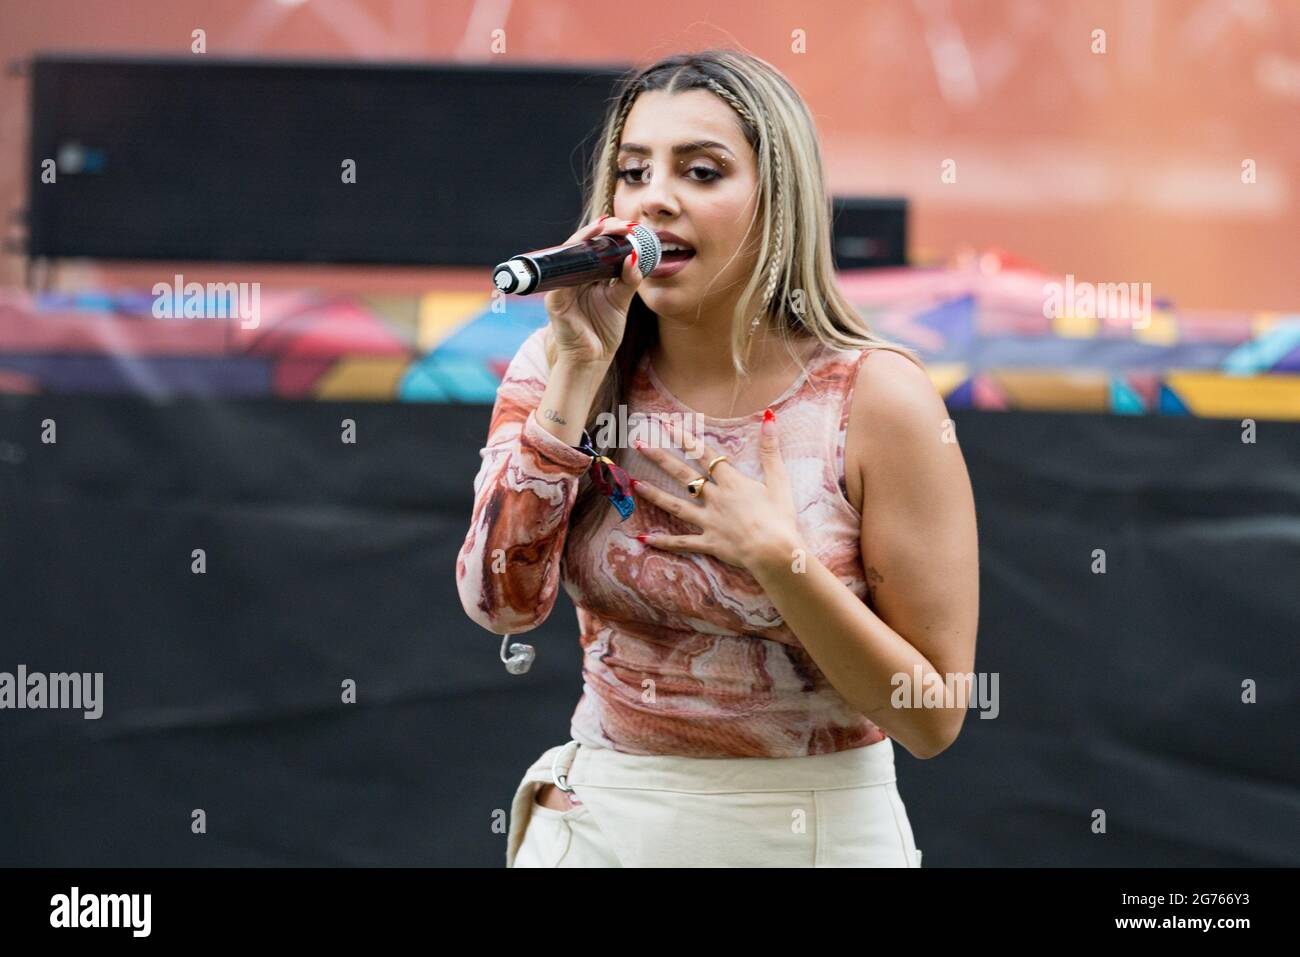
590 261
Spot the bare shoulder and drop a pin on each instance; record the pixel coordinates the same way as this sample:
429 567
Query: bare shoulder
893 398
893 401
893 379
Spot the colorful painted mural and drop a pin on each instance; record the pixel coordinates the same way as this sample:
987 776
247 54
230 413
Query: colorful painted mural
983 330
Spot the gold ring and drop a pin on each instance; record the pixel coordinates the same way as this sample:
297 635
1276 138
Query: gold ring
696 486
720 458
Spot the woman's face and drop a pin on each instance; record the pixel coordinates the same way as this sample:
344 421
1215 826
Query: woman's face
703 194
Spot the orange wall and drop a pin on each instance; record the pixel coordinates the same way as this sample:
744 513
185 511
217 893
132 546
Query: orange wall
1124 166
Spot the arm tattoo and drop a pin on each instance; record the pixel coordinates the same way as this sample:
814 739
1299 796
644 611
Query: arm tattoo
874 578
554 416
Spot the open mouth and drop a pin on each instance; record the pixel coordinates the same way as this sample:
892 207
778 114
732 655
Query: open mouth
674 254
672 262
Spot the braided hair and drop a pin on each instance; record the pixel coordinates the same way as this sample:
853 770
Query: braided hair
687 71
795 251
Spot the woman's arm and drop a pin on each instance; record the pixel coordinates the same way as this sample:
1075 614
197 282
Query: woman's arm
920 553
508 569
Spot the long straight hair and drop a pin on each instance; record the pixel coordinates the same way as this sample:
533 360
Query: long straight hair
793 290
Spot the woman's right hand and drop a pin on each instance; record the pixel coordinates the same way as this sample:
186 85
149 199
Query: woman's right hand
587 321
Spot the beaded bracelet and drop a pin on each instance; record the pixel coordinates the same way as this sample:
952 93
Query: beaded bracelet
617 488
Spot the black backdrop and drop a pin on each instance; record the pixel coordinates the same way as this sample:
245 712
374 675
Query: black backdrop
190 158
328 562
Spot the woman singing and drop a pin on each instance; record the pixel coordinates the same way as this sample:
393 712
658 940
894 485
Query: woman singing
802 547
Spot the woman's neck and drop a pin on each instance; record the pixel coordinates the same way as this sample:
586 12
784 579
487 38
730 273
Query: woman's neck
698 354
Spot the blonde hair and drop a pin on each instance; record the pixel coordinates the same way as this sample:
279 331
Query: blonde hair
793 289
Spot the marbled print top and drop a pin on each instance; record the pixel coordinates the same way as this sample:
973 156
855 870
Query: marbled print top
683 653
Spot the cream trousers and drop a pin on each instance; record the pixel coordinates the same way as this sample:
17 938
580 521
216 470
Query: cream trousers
825 810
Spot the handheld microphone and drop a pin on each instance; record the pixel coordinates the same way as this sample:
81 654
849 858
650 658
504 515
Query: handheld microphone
590 261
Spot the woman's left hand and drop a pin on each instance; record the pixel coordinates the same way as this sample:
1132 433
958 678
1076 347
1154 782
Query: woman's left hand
743 522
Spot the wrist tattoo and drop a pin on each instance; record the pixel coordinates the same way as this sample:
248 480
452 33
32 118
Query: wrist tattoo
554 416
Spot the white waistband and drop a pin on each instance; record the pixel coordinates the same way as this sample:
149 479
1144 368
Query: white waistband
606 768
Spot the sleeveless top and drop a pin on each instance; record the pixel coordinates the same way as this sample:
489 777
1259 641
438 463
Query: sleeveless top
683 654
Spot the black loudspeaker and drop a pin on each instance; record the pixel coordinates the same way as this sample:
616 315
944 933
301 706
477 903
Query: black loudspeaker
868 231
207 159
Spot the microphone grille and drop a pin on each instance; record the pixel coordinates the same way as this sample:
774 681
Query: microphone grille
648 248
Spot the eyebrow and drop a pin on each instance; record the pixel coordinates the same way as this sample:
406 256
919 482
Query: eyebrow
681 149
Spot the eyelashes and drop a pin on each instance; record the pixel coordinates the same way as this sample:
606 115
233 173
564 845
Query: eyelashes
626 174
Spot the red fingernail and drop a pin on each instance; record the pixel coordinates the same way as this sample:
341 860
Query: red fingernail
768 415
602 219
640 538
634 259
634 483
633 223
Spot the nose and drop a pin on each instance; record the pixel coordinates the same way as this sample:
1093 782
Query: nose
657 198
